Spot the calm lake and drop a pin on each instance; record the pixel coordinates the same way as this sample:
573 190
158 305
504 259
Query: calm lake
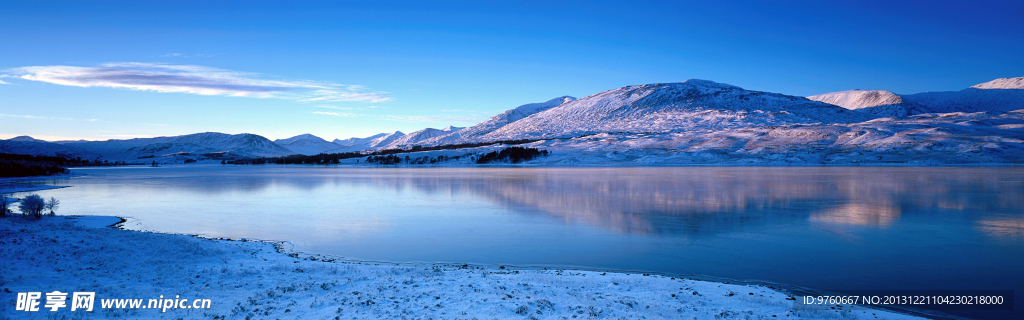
824 228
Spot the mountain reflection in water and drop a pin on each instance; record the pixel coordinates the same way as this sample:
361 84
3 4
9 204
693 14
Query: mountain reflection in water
698 200
829 228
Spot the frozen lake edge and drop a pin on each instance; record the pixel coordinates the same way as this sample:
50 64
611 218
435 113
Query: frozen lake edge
252 278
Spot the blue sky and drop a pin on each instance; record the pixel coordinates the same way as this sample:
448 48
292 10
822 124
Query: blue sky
113 70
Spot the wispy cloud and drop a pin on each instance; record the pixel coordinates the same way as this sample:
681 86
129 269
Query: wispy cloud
25 116
336 114
400 118
195 80
2 82
336 108
428 119
185 55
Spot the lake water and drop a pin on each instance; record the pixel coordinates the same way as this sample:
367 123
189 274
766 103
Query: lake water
829 229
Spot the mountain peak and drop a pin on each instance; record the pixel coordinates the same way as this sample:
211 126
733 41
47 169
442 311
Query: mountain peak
858 99
879 103
1002 83
690 83
669 107
707 83
687 87
560 100
25 138
304 136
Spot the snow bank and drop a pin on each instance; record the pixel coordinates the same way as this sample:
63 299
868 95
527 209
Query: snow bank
10 188
251 279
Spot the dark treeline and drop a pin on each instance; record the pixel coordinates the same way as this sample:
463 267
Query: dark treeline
333 158
393 159
323 158
456 146
22 165
512 154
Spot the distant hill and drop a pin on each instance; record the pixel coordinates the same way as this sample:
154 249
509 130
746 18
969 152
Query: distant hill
307 144
36 147
219 144
1004 94
418 137
25 138
355 144
877 103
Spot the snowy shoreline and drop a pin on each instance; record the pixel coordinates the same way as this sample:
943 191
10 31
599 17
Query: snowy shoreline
253 279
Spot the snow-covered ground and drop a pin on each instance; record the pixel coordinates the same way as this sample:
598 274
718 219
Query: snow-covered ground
253 280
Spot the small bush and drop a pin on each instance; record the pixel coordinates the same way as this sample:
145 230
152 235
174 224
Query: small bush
33 205
52 205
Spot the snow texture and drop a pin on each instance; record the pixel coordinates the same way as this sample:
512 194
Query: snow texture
878 103
1002 83
253 280
498 121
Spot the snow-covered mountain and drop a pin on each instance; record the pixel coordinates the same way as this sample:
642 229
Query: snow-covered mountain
496 122
877 103
672 107
690 122
25 138
1002 83
355 144
418 137
244 144
1004 94
212 143
385 140
307 144
36 147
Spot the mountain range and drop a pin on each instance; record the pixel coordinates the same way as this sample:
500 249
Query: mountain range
694 121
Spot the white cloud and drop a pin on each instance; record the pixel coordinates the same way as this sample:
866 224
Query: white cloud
429 119
2 82
184 55
26 116
336 114
194 80
400 118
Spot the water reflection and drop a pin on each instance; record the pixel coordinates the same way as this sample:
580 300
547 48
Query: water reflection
879 215
869 228
696 200
1009 228
637 200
